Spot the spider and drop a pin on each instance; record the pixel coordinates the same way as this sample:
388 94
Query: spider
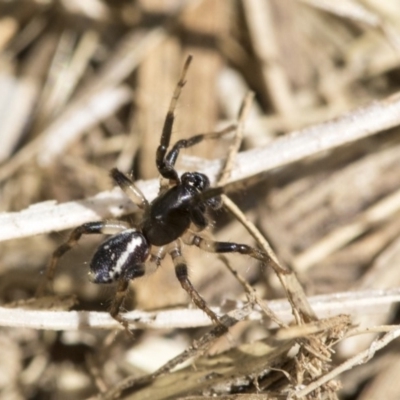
177 215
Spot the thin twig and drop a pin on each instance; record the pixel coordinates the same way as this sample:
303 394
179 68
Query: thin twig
300 306
234 148
229 204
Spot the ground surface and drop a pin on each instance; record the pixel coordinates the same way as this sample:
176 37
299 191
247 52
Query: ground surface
85 86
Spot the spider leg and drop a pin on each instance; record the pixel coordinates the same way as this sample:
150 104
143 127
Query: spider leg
156 256
129 188
172 155
213 246
120 294
100 227
166 170
181 272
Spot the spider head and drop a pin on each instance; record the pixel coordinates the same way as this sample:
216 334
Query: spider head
196 180
201 182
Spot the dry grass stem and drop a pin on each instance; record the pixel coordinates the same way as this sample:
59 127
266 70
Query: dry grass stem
327 306
296 145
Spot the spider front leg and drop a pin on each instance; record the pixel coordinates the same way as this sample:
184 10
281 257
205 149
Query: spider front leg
172 156
99 227
165 162
181 272
213 246
166 170
129 188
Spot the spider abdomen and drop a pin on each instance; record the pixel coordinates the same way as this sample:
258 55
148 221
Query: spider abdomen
122 255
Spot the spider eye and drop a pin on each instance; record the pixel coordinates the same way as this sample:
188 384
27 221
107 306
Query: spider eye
196 179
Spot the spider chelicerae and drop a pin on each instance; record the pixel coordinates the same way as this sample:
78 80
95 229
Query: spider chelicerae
177 215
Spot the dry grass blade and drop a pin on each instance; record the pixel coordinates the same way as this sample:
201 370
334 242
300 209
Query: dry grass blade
363 122
386 208
34 316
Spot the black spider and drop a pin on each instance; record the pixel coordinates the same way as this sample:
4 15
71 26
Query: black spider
176 215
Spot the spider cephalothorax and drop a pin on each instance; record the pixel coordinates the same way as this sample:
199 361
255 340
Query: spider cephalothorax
178 214
170 215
